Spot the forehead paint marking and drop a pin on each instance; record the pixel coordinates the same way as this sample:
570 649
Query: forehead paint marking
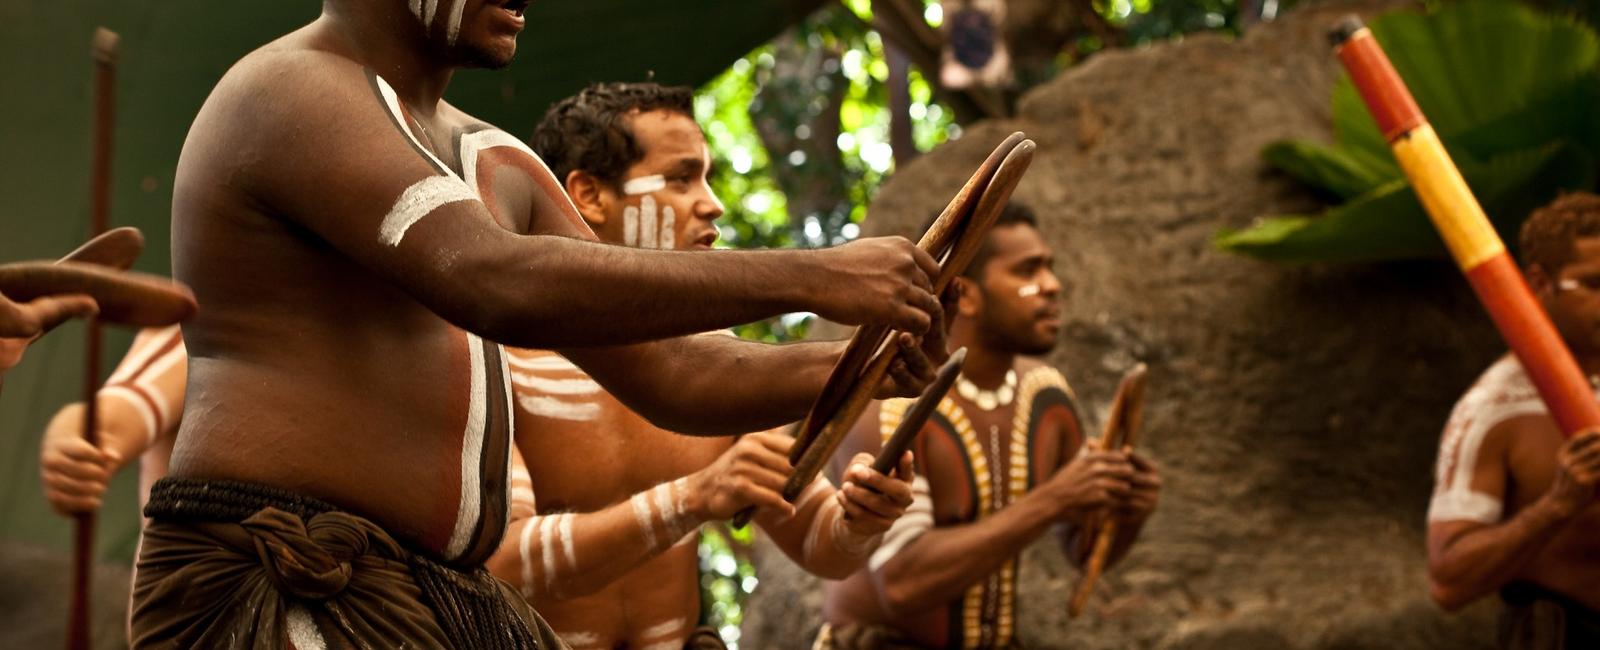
669 220
454 28
644 185
556 409
662 629
647 222
556 386
1028 290
630 226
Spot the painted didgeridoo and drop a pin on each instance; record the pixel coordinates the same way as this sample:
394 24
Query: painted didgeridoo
1121 430
895 447
953 239
1466 231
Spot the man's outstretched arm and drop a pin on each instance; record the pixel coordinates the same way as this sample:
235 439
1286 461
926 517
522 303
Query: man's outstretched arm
357 177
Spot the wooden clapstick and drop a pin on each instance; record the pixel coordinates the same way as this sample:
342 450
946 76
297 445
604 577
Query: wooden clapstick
868 340
1121 430
856 389
895 447
125 297
117 248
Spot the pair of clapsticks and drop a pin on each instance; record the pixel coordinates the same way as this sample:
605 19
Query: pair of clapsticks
953 239
98 269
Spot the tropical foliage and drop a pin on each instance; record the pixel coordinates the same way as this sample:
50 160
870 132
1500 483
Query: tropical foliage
1511 91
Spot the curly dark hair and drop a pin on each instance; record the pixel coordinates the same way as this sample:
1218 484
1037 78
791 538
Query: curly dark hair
589 131
1013 213
1548 233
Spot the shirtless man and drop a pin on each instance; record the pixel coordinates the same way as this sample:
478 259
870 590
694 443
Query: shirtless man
1001 461
340 473
1513 507
600 560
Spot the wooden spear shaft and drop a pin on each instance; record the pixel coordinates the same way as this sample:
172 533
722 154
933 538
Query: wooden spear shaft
1466 231
104 49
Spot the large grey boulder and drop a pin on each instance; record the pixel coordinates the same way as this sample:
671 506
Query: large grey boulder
1294 410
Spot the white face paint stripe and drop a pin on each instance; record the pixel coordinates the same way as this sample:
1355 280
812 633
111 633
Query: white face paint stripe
1028 290
630 226
647 223
420 200
416 8
454 28
429 8
669 235
549 363
1568 284
302 629
642 515
556 386
467 511
662 629
550 407
567 549
525 548
644 185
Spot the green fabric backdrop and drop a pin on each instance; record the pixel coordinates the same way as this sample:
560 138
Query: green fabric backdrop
172 53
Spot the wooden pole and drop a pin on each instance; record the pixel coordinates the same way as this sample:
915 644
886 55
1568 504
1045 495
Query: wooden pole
104 49
1466 231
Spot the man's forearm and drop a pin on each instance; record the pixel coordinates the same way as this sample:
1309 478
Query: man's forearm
817 538
713 384
553 300
943 562
1480 561
565 555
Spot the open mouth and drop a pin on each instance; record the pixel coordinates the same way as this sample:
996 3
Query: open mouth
516 7
705 240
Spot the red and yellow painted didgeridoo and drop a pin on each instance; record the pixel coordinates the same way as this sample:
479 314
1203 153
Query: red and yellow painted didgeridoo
1466 231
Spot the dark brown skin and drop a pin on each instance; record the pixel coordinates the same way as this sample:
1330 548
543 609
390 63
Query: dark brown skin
912 591
320 344
1550 534
21 323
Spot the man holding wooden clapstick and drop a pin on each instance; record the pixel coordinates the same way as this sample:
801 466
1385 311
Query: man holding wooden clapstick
606 549
1514 505
1001 461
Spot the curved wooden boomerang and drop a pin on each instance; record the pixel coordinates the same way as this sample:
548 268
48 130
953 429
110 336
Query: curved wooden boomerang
1121 430
125 297
1472 241
117 248
954 239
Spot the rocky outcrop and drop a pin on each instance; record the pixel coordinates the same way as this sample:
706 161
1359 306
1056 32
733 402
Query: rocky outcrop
1294 410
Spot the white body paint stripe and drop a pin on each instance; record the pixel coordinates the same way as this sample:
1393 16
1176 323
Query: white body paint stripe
302 629
547 546
524 548
579 638
551 407
467 512
139 356
641 514
147 416
556 386
825 515
663 645
420 200
662 629
918 519
178 354
521 474
644 185
567 549
391 99
548 363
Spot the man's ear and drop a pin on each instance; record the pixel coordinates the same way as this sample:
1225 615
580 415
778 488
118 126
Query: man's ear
970 301
589 194
1539 281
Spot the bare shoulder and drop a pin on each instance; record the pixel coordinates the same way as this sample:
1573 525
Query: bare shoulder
1500 404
